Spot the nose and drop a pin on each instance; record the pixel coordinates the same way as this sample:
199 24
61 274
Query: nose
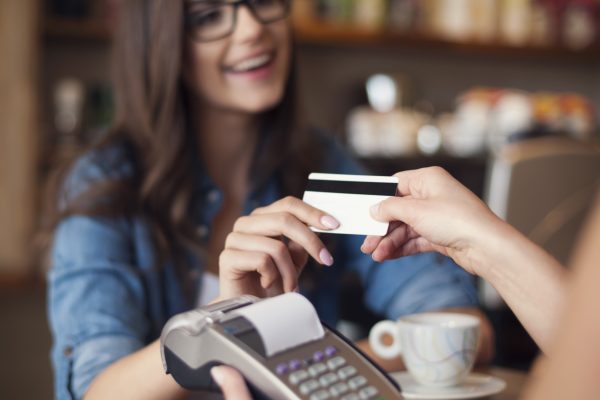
248 28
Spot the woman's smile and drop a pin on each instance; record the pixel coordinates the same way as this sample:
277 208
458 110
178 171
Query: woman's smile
254 67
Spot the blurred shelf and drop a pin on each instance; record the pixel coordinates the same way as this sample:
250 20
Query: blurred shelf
327 34
394 164
76 29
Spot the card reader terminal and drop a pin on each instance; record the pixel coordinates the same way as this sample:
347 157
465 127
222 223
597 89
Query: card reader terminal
279 346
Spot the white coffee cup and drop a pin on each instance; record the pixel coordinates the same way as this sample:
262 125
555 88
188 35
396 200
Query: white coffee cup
438 349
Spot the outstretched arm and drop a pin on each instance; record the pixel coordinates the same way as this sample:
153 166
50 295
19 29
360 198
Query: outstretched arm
434 212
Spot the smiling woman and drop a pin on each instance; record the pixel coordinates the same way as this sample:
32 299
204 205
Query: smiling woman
250 78
199 179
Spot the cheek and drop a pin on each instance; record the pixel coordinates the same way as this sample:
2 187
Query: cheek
201 71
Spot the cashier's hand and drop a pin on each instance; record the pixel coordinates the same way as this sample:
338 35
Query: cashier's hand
231 382
433 212
266 251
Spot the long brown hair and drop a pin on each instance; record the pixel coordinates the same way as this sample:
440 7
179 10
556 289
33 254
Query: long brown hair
151 124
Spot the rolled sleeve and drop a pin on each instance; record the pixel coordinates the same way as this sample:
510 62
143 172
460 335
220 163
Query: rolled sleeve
96 301
424 282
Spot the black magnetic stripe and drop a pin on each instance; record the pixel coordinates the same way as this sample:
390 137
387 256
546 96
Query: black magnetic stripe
372 188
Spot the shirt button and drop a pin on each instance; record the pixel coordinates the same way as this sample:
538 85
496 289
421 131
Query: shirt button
213 196
195 274
67 351
202 231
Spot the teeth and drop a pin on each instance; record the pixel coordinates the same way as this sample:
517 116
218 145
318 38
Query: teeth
252 63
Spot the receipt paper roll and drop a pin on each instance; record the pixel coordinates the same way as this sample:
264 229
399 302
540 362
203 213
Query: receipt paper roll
283 322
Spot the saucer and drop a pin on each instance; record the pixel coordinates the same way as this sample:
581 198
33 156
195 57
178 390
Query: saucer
474 386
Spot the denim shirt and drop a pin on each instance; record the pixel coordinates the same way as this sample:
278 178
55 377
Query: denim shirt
107 299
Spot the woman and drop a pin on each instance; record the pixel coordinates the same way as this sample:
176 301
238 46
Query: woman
185 188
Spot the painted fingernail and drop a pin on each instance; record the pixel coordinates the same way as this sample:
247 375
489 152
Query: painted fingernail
217 375
326 257
329 222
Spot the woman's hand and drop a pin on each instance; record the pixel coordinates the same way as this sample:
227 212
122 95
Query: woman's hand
266 251
434 213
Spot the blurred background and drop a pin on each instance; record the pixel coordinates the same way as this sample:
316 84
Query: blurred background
505 94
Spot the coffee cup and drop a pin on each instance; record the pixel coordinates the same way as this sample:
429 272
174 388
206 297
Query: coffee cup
438 349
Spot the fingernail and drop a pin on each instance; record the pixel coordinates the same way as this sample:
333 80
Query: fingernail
326 257
217 375
329 222
375 209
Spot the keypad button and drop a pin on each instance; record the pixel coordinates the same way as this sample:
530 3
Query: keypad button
330 351
351 396
294 365
336 362
318 356
281 369
298 376
338 389
357 382
328 379
320 395
309 386
346 372
367 393
317 369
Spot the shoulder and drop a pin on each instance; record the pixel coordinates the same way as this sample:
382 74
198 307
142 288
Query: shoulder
109 163
337 157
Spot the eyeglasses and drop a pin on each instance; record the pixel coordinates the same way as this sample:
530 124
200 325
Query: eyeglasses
209 20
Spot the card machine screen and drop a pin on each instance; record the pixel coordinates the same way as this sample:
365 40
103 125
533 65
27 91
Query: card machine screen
244 331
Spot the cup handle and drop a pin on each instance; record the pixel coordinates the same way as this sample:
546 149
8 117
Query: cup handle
392 351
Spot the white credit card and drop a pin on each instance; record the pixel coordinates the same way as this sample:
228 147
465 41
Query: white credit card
348 198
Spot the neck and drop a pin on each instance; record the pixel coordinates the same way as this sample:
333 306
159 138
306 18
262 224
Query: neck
226 142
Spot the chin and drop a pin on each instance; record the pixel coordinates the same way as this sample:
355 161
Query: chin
256 105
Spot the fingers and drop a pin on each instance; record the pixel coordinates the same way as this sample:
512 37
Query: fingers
404 209
306 213
286 224
371 242
387 250
417 182
235 265
231 383
400 241
275 249
299 256
391 245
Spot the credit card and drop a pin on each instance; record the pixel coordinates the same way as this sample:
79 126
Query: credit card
348 199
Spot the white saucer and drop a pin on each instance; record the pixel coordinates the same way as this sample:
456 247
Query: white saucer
475 386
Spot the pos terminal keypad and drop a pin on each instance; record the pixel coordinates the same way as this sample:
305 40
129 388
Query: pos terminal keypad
327 374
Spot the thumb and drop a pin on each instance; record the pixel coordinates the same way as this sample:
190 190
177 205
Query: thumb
231 383
403 209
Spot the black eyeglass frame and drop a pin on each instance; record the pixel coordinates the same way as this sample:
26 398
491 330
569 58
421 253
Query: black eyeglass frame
188 20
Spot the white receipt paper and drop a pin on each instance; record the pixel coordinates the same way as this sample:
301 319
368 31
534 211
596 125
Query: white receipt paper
283 322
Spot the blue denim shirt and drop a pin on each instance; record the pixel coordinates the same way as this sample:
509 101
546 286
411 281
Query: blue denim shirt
107 299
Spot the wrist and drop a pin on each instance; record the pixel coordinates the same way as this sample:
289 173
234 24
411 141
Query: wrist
488 249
